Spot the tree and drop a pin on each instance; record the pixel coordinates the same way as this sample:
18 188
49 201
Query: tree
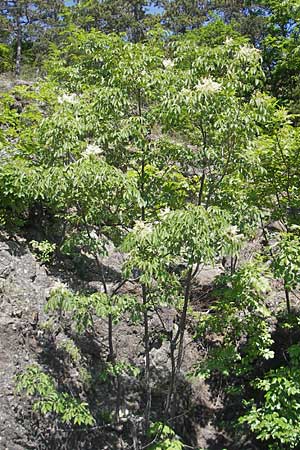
181 16
130 17
194 237
281 57
211 111
167 148
28 22
248 20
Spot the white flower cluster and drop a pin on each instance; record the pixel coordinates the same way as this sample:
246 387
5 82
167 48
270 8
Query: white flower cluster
228 41
164 213
143 228
67 98
168 63
93 149
185 92
232 232
247 53
208 86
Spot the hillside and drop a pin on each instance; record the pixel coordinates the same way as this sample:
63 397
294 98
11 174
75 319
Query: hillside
149 220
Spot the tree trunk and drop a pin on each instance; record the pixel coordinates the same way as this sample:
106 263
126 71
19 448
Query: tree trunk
287 297
176 365
200 195
111 355
182 325
19 45
144 291
147 359
171 389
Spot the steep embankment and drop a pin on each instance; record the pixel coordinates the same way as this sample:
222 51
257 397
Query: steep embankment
25 339
23 289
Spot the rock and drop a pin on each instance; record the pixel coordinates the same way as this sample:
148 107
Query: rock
207 275
277 225
22 295
6 261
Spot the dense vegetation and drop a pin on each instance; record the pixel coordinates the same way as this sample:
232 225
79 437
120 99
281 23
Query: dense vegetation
173 135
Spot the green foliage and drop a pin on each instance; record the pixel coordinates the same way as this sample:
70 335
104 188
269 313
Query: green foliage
84 242
117 369
240 318
165 436
281 55
19 182
87 187
276 418
83 308
29 25
278 183
5 58
71 349
132 18
48 399
286 262
189 236
169 147
44 250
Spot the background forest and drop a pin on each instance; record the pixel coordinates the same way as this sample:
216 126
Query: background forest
157 146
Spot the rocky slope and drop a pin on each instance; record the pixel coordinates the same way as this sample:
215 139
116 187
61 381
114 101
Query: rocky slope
23 289
24 339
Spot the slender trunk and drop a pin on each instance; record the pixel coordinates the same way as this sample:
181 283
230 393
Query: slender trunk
118 400
144 292
286 291
147 358
288 302
111 355
176 364
182 325
171 388
19 45
200 195
233 263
